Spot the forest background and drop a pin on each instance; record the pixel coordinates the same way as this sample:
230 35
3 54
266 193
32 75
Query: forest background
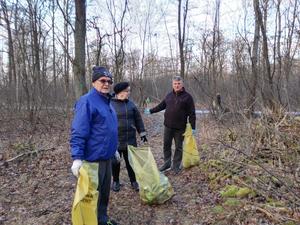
239 60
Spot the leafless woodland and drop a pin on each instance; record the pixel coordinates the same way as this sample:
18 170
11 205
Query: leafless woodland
47 50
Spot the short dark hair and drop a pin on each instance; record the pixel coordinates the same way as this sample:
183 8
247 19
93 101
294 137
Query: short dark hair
177 78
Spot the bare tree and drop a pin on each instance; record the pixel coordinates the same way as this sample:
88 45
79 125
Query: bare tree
65 9
267 89
254 67
215 43
66 64
119 36
181 22
53 50
79 39
12 76
174 66
96 46
292 42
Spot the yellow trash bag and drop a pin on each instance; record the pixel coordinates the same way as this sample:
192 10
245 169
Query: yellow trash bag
190 155
155 187
84 209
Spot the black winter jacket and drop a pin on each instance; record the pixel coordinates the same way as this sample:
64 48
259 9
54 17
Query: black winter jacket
129 121
179 108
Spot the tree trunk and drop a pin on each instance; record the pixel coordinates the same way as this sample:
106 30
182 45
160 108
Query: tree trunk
254 58
54 53
12 77
268 89
181 35
79 38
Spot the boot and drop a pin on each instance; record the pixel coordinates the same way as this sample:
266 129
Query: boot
165 167
116 186
135 186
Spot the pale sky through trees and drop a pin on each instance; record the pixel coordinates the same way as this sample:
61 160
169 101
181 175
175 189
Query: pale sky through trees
236 17
201 16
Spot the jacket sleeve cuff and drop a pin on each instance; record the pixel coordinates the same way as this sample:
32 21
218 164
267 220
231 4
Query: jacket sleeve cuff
76 158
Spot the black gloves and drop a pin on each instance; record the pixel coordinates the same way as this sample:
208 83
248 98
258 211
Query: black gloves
144 139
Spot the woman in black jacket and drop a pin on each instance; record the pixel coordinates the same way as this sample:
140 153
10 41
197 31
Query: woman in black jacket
129 121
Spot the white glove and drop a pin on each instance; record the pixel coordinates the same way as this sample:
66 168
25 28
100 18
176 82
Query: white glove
77 163
147 111
117 156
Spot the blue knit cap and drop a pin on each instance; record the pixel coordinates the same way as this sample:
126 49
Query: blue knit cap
100 71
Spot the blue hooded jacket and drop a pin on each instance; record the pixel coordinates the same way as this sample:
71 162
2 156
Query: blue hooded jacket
94 130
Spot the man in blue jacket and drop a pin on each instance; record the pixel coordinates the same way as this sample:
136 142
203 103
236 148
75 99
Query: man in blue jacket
94 135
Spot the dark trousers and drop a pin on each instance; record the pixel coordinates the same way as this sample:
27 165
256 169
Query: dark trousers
104 176
117 165
169 135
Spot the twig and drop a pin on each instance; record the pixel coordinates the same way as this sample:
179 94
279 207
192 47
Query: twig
28 153
277 210
267 213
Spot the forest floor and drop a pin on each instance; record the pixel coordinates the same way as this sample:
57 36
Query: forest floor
37 188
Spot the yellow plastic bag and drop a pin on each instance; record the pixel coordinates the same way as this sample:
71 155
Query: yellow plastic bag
155 187
190 155
84 209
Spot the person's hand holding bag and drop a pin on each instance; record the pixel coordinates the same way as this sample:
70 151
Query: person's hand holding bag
194 132
117 156
77 163
147 111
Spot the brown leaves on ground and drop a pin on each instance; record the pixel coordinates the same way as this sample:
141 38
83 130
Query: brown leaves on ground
38 187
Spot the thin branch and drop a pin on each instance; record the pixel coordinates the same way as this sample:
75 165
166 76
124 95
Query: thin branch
29 153
65 16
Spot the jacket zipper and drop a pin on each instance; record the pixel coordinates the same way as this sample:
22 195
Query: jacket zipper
126 122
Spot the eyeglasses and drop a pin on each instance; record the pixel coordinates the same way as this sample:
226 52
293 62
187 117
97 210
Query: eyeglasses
104 81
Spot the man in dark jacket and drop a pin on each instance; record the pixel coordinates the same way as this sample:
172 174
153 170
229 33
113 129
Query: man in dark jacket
179 109
129 122
94 136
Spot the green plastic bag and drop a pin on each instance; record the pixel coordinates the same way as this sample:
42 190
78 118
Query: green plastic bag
84 210
190 155
155 187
